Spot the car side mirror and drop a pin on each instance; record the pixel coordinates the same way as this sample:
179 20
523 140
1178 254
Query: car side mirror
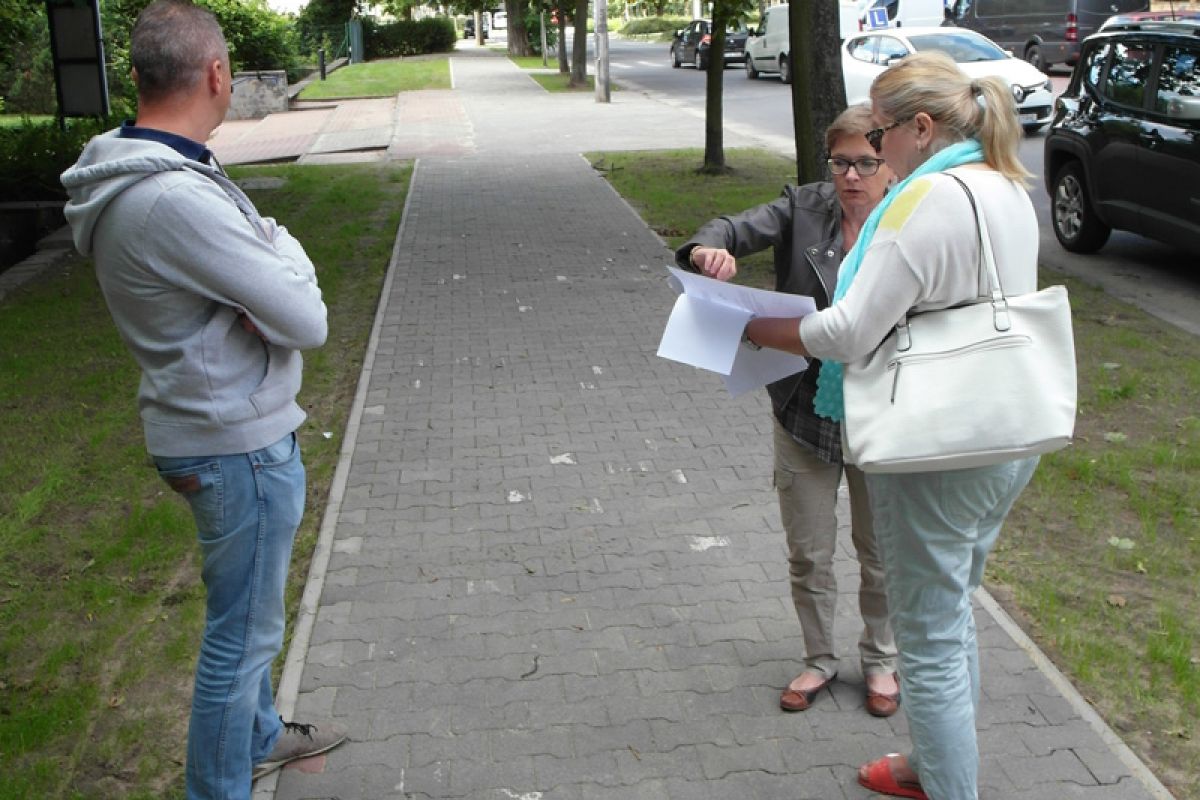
894 60
679 33
1183 108
1009 53
751 31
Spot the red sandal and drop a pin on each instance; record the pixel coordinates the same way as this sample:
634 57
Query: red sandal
879 778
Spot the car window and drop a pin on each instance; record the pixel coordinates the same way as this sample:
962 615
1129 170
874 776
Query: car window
1093 68
889 48
1128 72
963 48
1178 77
863 48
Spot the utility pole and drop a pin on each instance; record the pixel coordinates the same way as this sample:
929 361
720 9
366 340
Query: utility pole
602 89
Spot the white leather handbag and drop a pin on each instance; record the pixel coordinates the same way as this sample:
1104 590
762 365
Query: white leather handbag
966 386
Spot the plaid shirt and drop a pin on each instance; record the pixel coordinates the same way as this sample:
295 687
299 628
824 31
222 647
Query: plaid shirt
792 402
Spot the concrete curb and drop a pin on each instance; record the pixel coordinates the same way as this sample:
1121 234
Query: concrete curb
289 683
1081 706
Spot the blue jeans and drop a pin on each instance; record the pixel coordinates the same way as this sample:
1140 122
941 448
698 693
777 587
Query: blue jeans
935 531
247 508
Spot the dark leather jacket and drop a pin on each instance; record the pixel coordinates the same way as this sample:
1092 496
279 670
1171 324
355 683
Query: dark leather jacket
804 228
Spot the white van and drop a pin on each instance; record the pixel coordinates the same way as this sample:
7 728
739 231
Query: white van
767 48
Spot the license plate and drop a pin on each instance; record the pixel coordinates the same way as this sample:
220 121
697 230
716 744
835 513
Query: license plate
1028 118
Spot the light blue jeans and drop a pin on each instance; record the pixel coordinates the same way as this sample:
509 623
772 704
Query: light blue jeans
935 531
247 508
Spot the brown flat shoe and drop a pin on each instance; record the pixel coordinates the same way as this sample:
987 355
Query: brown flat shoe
882 705
800 700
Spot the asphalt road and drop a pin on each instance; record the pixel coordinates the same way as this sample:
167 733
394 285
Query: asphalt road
1162 280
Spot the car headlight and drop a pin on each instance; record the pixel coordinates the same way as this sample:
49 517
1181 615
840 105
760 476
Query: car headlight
1049 87
1018 93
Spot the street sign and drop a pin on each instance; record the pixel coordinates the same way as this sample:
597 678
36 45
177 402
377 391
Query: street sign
877 18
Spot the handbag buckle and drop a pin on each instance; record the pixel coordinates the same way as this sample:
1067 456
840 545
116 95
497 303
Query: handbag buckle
1000 317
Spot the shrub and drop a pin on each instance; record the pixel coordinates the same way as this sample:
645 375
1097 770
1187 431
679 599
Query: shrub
650 25
34 154
408 38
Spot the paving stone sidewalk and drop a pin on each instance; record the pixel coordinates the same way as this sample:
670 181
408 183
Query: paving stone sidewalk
556 571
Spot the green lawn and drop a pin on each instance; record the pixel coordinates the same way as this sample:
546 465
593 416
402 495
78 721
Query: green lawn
381 79
1099 559
101 605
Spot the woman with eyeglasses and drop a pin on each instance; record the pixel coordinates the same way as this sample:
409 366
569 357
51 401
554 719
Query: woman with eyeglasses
811 228
919 251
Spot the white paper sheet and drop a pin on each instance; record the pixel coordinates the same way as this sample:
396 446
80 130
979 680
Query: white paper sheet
706 324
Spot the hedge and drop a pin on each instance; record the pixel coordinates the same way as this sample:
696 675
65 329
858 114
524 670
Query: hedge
645 25
408 38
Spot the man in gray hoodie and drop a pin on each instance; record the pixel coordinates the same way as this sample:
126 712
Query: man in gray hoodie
215 302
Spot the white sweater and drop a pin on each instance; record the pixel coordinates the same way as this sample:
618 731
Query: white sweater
925 255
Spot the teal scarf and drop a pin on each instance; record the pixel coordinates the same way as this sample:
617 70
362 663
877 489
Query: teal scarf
828 402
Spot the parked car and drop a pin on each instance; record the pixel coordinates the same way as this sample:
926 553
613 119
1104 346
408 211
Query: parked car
767 47
903 13
867 55
1043 32
469 26
691 44
1122 150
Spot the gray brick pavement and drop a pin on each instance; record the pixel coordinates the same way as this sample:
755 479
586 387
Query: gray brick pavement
557 571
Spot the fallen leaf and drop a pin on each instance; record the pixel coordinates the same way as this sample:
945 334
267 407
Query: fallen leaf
1116 601
115 701
1121 543
1141 567
1115 437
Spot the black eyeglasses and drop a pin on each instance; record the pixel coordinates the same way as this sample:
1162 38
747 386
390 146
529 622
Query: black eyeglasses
865 167
875 135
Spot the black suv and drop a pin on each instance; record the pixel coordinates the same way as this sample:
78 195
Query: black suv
1123 150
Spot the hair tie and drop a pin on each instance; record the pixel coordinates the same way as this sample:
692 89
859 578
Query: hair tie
976 89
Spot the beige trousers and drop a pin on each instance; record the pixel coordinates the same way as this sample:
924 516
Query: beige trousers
807 489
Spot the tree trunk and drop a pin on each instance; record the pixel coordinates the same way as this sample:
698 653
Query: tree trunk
714 123
818 90
518 36
563 66
579 47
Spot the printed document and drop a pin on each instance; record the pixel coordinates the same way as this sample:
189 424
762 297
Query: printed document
706 324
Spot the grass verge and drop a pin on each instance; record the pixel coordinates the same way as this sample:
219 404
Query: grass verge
101 605
381 79
558 82
675 199
535 62
1099 559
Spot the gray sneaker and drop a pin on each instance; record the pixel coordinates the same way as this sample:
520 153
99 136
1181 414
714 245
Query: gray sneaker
301 741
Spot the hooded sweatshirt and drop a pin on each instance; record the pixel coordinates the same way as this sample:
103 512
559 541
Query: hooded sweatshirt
184 259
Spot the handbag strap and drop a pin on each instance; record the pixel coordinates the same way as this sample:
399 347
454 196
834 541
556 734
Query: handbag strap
1000 317
988 260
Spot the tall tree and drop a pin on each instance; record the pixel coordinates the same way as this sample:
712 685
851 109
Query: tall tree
724 14
518 34
560 14
818 89
714 90
579 47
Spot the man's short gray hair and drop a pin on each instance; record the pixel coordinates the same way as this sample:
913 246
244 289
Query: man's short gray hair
172 43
